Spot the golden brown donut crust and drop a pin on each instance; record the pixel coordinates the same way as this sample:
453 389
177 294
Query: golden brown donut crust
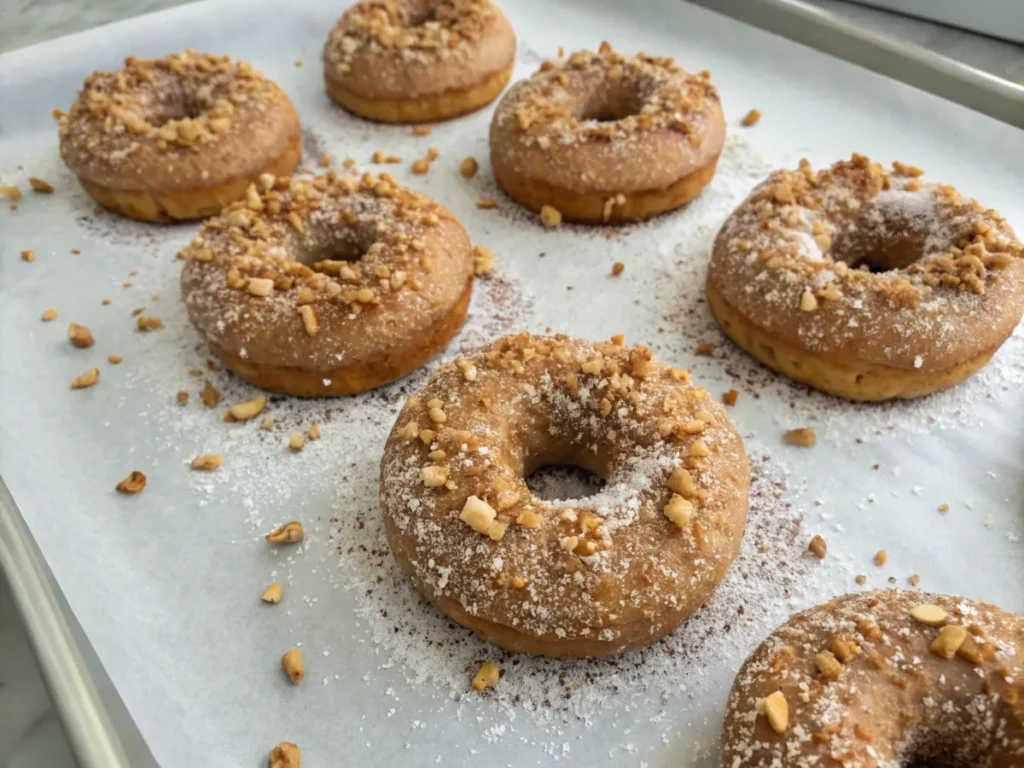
418 60
579 578
178 137
606 137
881 695
328 285
785 282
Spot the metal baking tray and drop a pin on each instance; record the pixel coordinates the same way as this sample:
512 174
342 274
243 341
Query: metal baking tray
105 589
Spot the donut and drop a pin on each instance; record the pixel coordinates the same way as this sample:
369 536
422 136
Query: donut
574 578
606 137
866 283
416 61
882 679
328 285
178 137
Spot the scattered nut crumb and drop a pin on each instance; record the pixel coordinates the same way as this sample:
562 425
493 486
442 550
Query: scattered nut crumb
285 755
349 162
313 433
114 359
730 397
421 130
551 217
132 484
40 186
943 507
127 284
87 379
267 424
929 614
28 255
948 641
914 580
617 268
803 437
294 665
272 594
704 349
468 167
80 336
11 192
106 302
433 153
861 579
298 63
325 161
210 394
182 397
776 709
295 442
808 302
819 547
48 315
289 533
486 203
486 677
207 461
881 557
144 323
421 166
138 311
483 260
244 411
751 118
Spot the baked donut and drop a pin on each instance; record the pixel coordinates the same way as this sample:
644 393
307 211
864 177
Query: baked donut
575 578
328 285
606 137
882 679
865 283
178 137
416 61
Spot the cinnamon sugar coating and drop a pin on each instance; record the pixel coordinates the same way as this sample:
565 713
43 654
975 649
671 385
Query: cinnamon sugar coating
859 264
573 578
180 123
884 679
324 272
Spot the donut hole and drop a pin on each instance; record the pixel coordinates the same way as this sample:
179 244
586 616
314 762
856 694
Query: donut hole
877 256
563 481
331 243
608 104
174 99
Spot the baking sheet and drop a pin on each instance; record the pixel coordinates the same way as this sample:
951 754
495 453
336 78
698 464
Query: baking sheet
166 584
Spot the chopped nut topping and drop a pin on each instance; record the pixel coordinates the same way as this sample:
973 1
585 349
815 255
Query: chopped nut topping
679 511
295 442
87 379
617 268
483 260
803 437
267 424
294 665
40 186
437 415
776 709
929 614
681 482
132 484
828 665
260 286
309 321
210 395
550 217
114 359
752 117
313 433
80 336
289 533
529 519
843 649
949 640
48 315
808 301
914 580
881 557
250 409
285 755
486 677
477 514
208 461
272 594
468 167
434 476
28 255
819 547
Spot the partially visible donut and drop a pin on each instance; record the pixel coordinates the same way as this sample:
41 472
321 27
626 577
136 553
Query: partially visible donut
414 61
328 285
178 137
606 137
865 283
575 578
883 679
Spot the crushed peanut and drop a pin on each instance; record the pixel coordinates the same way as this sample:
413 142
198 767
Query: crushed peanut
208 461
48 315
881 558
421 130
483 260
478 514
679 511
309 321
808 301
87 379
294 665
132 484
11 192
704 349
943 507
776 709
40 186
550 217
249 409
730 397
144 323
468 167
210 395
313 433
295 442
80 336
861 579
914 579
819 547
948 641
434 476
486 203
617 268
753 117
828 665
28 255
289 533
486 677
114 359
182 397
285 755
421 166
272 594
929 614
803 437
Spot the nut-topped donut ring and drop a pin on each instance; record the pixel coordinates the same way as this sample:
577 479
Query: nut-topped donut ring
865 283
574 578
414 61
178 137
328 285
882 679
606 137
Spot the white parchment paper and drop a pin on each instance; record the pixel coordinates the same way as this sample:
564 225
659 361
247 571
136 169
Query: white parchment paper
167 584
